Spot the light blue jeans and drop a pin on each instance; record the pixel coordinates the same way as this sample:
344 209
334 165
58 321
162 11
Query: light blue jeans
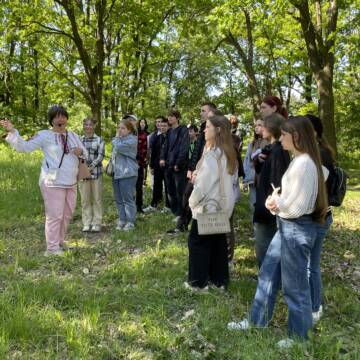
314 269
297 240
287 260
269 280
124 192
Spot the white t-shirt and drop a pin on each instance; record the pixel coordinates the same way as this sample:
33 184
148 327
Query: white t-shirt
51 145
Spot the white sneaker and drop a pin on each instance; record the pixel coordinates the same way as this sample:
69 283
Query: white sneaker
149 209
242 325
96 228
175 220
53 253
86 228
120 225
204 290
165 209
317 314
286 343
129 227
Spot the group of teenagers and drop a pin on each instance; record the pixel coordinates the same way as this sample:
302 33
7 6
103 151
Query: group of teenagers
286 171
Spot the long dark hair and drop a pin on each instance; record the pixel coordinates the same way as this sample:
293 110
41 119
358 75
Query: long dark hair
139 127
304 140
224 141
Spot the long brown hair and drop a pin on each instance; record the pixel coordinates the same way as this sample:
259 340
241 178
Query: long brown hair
224 141
304 140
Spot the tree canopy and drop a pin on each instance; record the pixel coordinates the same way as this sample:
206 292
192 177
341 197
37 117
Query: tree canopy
105 58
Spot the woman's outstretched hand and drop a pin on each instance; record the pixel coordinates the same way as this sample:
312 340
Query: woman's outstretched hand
7 125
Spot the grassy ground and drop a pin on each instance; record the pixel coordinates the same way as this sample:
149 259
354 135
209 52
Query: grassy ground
121 296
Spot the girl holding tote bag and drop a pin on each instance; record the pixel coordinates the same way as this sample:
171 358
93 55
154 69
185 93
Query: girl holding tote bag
212 195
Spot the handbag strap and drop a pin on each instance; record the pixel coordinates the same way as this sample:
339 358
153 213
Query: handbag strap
63 154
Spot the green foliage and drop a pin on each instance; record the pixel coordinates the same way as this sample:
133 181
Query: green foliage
159 54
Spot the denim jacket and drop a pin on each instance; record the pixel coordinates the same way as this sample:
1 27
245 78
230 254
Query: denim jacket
124 150
249 169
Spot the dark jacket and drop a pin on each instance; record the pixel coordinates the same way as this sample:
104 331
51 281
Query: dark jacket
157 141
237 144
271 172
176 147
199 148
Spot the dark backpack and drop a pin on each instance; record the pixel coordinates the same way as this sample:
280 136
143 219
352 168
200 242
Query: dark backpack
337 188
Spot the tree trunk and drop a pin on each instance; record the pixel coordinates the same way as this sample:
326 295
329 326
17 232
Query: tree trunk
94 74
247 57
320 42
324 82
307 87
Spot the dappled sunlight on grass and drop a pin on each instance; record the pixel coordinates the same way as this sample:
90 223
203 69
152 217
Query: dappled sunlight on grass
117 295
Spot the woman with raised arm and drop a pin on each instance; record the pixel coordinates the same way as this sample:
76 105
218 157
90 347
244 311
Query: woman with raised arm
62 149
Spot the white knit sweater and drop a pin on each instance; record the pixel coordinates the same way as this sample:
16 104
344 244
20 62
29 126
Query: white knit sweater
299 188
207 183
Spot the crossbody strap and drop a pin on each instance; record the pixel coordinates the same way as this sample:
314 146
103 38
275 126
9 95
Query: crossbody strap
63 154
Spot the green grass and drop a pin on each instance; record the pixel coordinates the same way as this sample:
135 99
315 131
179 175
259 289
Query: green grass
121 296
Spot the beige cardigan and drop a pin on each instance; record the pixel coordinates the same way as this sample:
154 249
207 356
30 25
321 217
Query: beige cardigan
207 183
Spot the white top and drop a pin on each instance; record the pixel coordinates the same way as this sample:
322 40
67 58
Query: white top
51 145
299 188
207 183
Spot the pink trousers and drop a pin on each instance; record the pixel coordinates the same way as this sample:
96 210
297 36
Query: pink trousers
59 208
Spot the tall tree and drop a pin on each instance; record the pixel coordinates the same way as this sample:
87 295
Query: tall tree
93 66
319 30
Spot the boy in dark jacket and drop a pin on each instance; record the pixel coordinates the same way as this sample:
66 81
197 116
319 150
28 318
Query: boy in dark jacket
174 158
185 217
157 142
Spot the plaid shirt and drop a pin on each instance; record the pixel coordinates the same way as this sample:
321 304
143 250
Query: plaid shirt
96 150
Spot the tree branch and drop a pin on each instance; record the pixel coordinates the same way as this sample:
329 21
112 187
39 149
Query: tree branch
51 30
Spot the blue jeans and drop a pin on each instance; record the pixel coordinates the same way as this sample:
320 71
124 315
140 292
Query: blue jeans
314 269
268 284
297 240
264 234
124 192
